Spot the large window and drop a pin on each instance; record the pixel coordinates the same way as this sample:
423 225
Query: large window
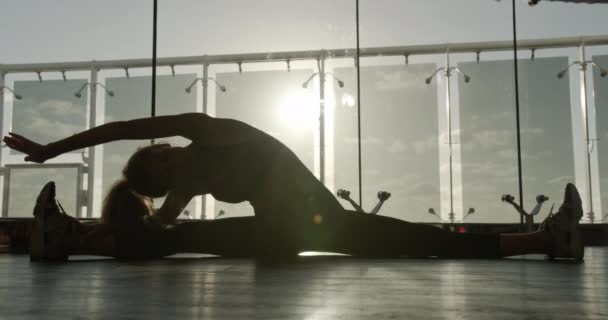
26 182
45 40
546 132
262 54
427 174
49 110
400 151
600 92
436 142
275 102
131 100
588 21
44 111
489 142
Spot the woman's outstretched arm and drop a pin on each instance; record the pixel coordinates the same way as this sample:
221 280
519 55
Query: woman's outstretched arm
146 128
194 126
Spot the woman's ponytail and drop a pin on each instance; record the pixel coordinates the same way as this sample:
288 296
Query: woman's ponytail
122 207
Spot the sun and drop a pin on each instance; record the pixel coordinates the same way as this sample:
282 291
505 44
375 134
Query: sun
299 110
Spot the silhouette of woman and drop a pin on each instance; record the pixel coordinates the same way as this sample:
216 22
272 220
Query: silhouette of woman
235 162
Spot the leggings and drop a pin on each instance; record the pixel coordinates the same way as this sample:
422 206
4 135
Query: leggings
355 234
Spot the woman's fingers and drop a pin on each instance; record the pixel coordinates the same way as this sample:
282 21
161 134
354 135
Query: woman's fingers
13 143
17 135
17 138
31 149
18 145
10 141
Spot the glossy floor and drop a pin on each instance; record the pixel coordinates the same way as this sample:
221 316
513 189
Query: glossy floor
318 287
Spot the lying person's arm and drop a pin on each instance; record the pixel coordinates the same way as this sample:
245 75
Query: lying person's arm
194 126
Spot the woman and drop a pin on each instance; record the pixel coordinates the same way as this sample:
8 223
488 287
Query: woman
294 212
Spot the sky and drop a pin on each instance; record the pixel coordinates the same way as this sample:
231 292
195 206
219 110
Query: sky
404 133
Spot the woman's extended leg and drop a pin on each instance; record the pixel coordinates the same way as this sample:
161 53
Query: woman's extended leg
372 235
366 235
307 216
56 235
230 237
343 232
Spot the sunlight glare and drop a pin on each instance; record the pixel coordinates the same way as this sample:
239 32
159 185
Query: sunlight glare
299 110
348 100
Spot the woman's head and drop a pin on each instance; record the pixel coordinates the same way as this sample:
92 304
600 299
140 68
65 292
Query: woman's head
122 207
148 170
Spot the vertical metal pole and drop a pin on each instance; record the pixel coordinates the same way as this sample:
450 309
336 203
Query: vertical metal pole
518 133
583 74
91 170
322 119
359 152
448 74
2 115
79 191
154 27
6 175
204 214
205 86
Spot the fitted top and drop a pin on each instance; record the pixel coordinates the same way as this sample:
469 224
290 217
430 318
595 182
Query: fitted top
235 172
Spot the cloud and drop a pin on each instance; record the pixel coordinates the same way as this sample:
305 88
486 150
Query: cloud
490 169
425 145
45 120
397 147
371 172
532 131
109 118
424 189
507 154
491 139
561 180
395 180
61 108
116 159
51 128
504 115
398 80
369 140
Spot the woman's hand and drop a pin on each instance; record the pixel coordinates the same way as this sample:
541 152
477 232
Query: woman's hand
34 152
154 223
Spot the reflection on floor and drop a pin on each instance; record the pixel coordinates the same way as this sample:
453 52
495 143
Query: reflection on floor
312 287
